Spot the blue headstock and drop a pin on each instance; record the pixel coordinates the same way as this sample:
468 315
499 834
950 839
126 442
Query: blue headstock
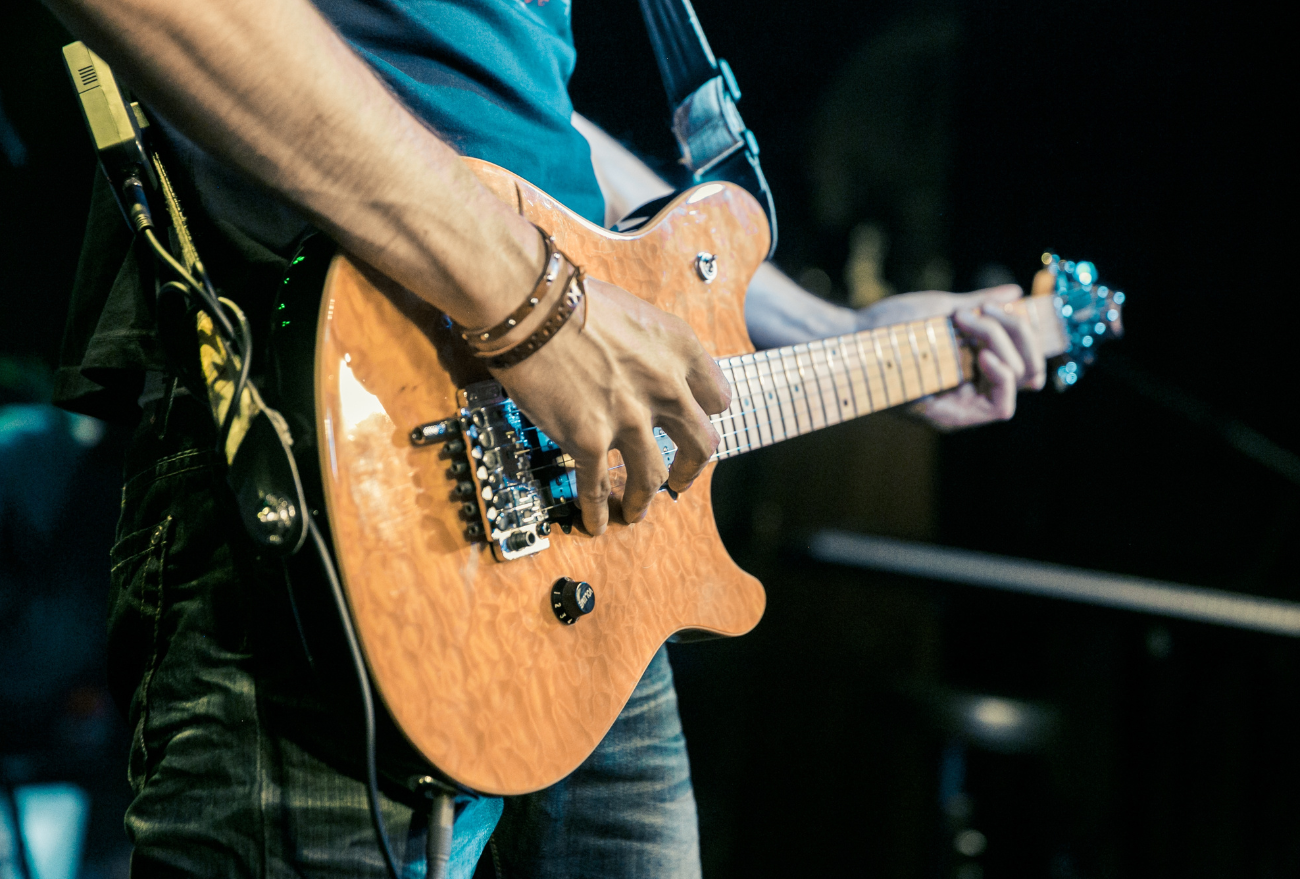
1089 312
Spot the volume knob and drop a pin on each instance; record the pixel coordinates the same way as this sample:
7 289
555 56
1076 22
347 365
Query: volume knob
571 599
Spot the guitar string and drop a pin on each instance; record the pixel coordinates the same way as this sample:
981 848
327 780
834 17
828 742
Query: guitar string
846 370
767 410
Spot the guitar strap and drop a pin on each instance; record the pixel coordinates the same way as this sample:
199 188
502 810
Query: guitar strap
702 95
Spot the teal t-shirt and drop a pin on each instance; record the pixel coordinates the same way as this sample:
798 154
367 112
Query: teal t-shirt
490 76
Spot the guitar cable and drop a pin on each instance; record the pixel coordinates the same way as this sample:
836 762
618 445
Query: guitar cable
367 699
115 126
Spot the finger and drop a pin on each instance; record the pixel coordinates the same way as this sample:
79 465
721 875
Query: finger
999 295
646 472
1026 342
1000 384
696 439
591 465
989 334
707 383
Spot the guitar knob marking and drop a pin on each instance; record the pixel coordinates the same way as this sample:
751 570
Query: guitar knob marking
571 599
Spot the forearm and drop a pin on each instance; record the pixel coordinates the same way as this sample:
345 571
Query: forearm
779 312
269 88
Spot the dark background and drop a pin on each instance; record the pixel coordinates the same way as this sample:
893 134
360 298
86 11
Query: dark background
1148 138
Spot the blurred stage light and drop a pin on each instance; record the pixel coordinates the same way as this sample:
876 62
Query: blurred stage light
53 818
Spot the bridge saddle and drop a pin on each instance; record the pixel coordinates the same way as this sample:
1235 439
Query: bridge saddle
521 482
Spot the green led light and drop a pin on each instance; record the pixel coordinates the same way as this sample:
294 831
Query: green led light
297 260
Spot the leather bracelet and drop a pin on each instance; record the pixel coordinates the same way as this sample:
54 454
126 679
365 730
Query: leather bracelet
565 306
550 269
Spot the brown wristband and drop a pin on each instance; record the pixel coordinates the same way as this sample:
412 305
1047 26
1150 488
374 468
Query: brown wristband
550 270
573 293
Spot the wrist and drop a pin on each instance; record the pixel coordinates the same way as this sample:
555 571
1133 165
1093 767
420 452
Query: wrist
498 274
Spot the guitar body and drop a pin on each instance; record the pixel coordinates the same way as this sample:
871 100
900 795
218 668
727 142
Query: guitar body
465 650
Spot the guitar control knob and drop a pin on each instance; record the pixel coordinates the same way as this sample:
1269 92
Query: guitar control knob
459 468
571 599
464 489
455 447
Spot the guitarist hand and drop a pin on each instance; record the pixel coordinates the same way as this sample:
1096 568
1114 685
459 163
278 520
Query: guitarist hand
1009 355
605 380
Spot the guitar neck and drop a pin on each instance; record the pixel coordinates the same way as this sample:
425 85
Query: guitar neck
787 392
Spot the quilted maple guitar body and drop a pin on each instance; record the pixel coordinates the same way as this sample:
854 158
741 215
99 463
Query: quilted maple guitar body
466 651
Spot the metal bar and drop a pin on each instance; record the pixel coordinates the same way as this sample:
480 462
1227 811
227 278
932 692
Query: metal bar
1057 581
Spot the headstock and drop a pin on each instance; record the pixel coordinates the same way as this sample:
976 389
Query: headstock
1089 312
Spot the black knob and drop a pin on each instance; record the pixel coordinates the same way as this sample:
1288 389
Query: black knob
464 489
469 510
455 447
459 468
473 530
571 599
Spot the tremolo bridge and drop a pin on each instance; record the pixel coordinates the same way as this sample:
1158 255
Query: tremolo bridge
512 481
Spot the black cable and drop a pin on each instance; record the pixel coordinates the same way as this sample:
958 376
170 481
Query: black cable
226 329
367 698
243 345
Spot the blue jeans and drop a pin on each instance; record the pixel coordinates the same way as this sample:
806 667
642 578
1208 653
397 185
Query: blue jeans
246 746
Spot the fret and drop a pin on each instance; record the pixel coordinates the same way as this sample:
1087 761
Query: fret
758 405
825 383
889 366
871 366
965 357
789 418
939 331
836 360
811 389
798 390
726 421
740 403
746 424
930 383
907 371
781 424
856 373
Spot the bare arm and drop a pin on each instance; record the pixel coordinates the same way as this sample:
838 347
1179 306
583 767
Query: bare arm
273 91
269 88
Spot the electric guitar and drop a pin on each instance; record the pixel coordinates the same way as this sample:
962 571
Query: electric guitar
503 639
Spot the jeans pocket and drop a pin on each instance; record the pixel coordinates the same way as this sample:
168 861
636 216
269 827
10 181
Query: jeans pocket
135 638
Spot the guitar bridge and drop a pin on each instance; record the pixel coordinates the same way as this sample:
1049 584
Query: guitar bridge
518 478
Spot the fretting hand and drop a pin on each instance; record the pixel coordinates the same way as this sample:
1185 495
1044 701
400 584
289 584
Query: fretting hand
1008 354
